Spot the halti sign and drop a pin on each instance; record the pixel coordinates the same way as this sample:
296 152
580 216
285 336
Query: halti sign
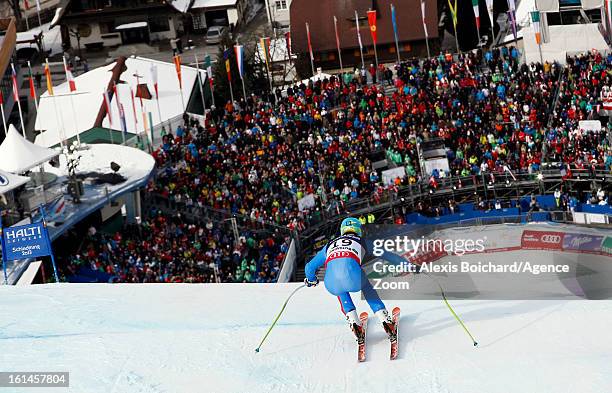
28 241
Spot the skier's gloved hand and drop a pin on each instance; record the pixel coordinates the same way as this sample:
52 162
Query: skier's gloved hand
311 283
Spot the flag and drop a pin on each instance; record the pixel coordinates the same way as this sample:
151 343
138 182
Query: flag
239 50
336 30
394 21
228 69
288 42
38 5
69 76
107 102
535 20
118 102
490 12
134 106
15 86
476 13
512 15
453 10
26 4
177 65
358 31
423 18
48 76
265 47
309 42
208 65
1 98
154 79
122 117
372 23
32 88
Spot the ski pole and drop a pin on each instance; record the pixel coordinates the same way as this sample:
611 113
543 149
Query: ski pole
278 316
451 309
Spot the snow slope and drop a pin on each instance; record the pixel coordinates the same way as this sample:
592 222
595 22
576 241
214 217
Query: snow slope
201 338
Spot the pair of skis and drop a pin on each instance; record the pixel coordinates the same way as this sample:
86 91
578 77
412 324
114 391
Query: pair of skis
361 350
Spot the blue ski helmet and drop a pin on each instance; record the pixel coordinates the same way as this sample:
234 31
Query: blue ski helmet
350 224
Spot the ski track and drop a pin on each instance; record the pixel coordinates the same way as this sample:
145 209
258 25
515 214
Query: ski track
201 338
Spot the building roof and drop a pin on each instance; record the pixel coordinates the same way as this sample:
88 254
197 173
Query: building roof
18 155
213 3
88 98
8 42
320 19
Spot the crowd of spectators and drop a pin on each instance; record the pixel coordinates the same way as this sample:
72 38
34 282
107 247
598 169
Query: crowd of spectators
171 249
260 157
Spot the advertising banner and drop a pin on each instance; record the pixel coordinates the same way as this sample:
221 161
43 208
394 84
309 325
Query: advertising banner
582 242
27 241
542 240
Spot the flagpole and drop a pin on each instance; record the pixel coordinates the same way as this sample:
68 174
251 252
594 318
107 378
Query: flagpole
395 33
59 118
201 88
35 98
44 221
42 43
76 126
310 49
16 96
491 18
359 39
425 28
178 69
3 118
373 33
338 45
228 70
2 235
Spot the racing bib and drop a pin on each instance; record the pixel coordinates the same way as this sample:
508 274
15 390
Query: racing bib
344 247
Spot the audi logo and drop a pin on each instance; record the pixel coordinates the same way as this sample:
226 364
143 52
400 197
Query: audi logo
550 239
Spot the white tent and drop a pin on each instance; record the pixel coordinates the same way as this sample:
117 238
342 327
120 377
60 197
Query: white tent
564 40
18 155
9 182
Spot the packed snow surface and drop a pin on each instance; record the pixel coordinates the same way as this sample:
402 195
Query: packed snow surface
201 338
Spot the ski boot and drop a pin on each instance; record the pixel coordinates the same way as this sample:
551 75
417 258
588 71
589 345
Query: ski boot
355 326
388 325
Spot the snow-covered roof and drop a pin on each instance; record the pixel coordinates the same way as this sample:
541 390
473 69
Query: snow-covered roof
133 25
89 98
9 182
213 3
180 5
18 155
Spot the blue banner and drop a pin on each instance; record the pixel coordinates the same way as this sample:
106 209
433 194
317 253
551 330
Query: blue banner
27 241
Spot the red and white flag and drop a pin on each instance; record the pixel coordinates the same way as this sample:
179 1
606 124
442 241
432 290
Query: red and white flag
309 42
336 30
69 76
107 103
15 86
154 79
134 107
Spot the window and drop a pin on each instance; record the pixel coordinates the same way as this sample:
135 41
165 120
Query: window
107 27
159 24
281 5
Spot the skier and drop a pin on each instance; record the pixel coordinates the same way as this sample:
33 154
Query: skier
342 258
